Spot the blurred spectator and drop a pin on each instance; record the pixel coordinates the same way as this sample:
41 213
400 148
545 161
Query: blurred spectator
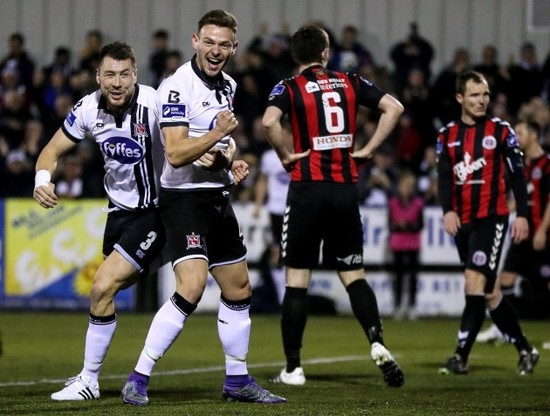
413 52
538 110
33 139
244 191
13 118
174 59
271 189
19 178
61 63
405 223
498 107
525 78
416 100
274 49
427 168
443 90
89 53
69 183
495 75
350 55
158 56
54 86
377 178
257 143
11 81
408 146
254 82
18 59
54 118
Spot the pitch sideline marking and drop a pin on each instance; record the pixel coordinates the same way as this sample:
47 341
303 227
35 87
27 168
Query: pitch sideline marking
314 361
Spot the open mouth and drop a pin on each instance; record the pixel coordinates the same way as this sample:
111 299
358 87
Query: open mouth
116 95
214 63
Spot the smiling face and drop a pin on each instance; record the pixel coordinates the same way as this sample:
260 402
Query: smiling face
214 46
474 100
117 80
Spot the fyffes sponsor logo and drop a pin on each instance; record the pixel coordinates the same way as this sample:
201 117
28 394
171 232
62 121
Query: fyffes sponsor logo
124 150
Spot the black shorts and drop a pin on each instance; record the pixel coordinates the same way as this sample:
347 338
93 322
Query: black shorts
327 213
137 235
524 260
201 224
480 244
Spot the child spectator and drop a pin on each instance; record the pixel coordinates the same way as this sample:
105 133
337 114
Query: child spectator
405 223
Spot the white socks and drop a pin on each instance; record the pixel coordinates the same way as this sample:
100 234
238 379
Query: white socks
165 328
234 332
98 339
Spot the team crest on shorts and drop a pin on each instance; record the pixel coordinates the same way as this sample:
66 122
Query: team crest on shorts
193 241
479 258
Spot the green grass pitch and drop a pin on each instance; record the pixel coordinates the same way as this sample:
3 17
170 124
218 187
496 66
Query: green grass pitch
42 349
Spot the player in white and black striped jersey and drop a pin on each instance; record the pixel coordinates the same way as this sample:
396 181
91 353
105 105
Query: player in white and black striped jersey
121 117
202 232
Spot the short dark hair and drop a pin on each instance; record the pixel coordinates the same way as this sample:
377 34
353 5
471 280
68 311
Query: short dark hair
62 51
161 34
463 78
221 18
18 37
119 51
308 44
531 125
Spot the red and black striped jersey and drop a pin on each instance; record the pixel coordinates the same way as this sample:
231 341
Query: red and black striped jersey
537 173
322 108
472 163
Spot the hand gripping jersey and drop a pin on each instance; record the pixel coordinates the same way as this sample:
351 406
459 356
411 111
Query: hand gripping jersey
130 145
189 98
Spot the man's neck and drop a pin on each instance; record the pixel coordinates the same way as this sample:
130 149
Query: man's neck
303 67
534 151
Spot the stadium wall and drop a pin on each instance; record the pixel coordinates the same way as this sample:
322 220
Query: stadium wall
448 24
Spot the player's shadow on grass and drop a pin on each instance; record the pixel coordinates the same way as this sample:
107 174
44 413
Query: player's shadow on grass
349 379
435 366
185 393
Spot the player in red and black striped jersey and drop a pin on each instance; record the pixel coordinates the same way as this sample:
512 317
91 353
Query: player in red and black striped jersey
323 203
474 154
536 247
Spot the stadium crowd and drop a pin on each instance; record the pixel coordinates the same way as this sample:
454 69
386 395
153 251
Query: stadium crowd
35 100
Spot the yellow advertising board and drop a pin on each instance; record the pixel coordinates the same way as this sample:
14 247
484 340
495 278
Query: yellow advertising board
51 255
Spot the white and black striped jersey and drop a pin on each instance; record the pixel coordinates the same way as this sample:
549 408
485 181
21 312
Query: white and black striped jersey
189 98
130 145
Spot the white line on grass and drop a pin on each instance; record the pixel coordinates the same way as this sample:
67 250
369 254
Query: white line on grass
314 361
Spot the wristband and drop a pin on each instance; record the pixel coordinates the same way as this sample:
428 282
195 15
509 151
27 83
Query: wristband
43 177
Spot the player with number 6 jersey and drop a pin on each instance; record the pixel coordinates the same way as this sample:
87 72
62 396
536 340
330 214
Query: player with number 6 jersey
323 202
